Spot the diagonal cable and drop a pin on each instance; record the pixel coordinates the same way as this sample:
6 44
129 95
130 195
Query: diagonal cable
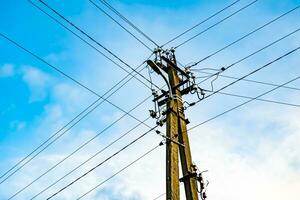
123 27
82 39
88 141
259 99
219 22
254 71
83 114
251 81
121 170
64 74
248 34
101 163
19 191
109 6
244 103
203 21
78 166
94 40
250 55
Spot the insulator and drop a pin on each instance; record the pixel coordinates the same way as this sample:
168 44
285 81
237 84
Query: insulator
152 113
192 104
204 195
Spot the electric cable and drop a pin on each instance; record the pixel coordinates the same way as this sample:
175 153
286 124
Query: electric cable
90 158
244 103
104 161
253 81
19 191
68 76
203 21
61 72
250 55
115 174
259 99
123 27
87 142
254 71
81 38
73 119
248 34
159 196
229 16
91 38
94 40
109 6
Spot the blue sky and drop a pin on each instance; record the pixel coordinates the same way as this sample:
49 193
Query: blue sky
36 100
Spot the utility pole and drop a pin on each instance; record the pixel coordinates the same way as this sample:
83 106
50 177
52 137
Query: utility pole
177 141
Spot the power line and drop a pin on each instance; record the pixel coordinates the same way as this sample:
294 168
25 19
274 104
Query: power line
250 33
241 9
56 140
109 6
90 158
259 99
242 104
124 28
95 41
64 74
101 163
250 55
82 39
42 60
115 174
77 116
203 21
87 142
252 72
253 81
161 195
91 38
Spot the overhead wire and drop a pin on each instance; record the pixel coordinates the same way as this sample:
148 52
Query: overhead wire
203 21
81 38
159 196
87 160
70 122
88 141
250 55
64 74
215 24
253 72
244 103
56 140
248 34
95 41
260 99
104 161
121 170
109 6
252 81
123 27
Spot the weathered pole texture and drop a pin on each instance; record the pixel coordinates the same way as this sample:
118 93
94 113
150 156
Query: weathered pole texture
177 131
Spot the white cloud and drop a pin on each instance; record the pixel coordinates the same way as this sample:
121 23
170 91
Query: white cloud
7 70
38 82
18 125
